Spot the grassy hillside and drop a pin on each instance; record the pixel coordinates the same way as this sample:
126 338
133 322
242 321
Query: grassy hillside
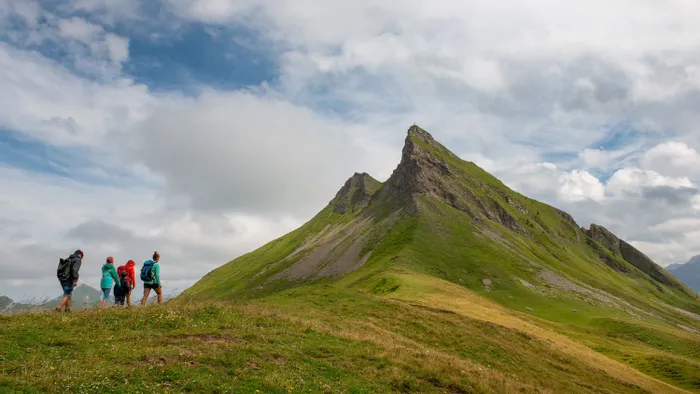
427 335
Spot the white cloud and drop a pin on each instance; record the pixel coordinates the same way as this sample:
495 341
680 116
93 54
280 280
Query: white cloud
79 29
581 185
696 203
633 180
546 180
28 10
509 83
605 160
259 153
118 48
51 104
673 159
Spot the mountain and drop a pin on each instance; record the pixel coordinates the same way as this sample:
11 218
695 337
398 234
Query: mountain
445 217
84 296
688 273
5 302
443 258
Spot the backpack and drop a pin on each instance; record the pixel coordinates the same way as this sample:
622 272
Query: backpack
63 271
147 271
122 269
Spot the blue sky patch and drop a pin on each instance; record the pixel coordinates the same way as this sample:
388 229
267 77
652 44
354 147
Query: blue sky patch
221 58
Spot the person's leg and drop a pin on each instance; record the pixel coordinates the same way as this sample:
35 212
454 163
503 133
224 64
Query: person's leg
159 291
146 292
62 303
128 297
105 297
68 303
65 301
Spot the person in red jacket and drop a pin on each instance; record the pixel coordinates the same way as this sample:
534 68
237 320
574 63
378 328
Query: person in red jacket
130 277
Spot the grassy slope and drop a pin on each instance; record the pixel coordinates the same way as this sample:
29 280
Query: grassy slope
427 336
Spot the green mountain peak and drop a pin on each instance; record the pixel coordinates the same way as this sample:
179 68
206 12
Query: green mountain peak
441 216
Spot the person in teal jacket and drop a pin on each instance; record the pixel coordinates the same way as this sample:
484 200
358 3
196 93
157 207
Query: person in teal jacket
109 276
151 271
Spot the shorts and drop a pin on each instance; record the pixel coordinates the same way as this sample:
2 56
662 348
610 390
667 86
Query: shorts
119 300
67 288
105 293
150 286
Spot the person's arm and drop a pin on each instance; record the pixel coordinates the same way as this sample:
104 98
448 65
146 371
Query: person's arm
75 268
132 274
113 272
156 274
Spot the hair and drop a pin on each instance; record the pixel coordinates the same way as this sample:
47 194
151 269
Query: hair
110 260
156 255
80 252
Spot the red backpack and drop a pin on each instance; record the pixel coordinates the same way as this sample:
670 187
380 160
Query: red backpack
120 269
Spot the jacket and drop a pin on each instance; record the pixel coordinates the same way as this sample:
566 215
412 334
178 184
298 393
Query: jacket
75 263
131 273
109 276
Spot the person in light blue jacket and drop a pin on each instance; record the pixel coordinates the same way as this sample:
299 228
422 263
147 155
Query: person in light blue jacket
109 276
150 275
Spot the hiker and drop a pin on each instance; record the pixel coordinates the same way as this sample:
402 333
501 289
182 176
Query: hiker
109 274
67 274
128 268
121 289
150 275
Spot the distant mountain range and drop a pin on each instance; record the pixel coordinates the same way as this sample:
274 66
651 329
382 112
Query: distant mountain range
688 273
84 296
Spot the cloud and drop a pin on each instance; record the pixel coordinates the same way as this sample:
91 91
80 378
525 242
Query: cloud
672 159
600 122
48 102
632 180
118 48
250 153
546 180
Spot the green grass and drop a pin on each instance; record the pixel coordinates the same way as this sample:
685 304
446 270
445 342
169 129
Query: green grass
318 339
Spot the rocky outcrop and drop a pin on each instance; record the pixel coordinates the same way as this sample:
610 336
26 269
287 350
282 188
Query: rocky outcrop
633 256
420 170
428 168
355 193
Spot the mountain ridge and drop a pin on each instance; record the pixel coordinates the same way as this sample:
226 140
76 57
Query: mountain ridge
688 273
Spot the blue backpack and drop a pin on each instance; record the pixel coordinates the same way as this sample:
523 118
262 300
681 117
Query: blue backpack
147 271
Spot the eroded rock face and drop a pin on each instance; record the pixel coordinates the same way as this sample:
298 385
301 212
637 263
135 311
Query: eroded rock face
605 238
427 168
633 256
355 193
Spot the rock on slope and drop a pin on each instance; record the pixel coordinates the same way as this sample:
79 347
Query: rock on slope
445 217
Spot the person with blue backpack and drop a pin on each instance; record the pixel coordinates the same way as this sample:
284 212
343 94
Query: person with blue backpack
150 275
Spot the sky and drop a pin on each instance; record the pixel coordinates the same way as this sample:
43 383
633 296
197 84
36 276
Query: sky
206 128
